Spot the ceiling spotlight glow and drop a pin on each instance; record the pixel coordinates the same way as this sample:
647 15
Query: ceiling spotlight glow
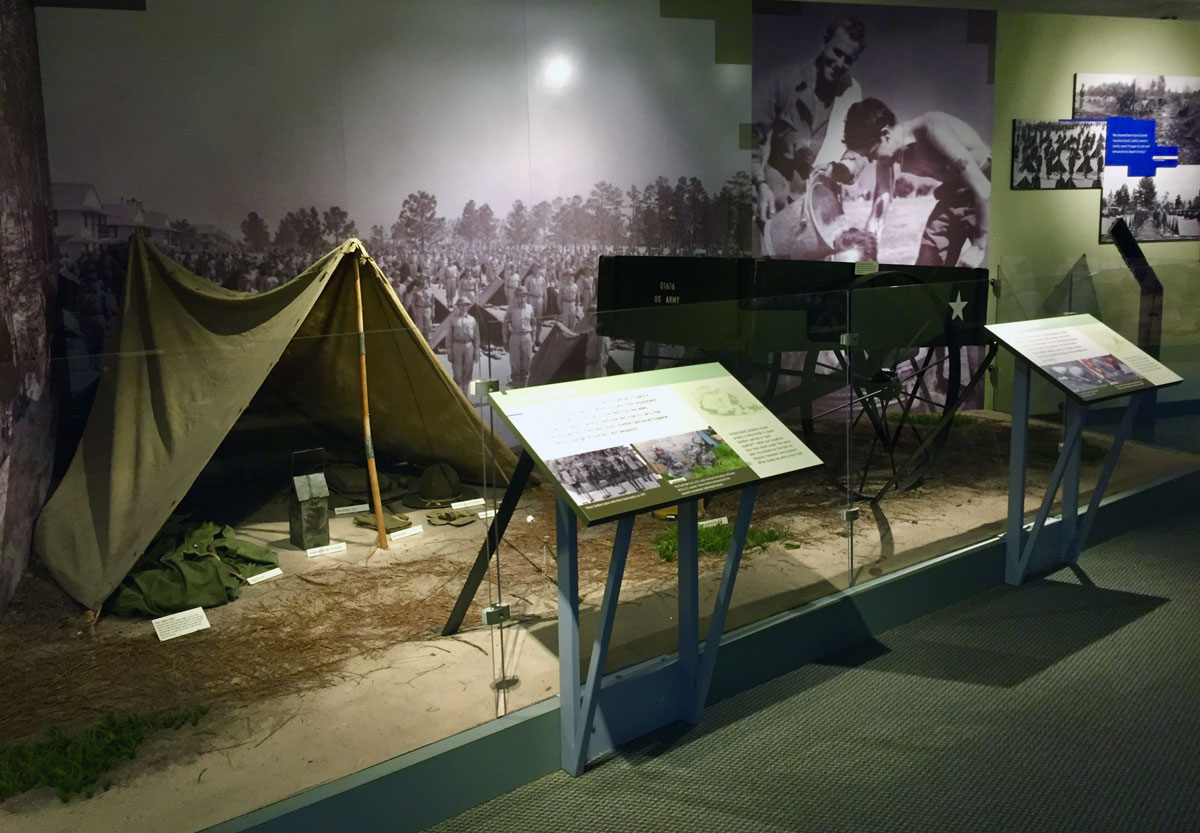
557 71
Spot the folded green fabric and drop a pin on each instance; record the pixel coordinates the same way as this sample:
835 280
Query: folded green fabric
391 522
456 517
189 566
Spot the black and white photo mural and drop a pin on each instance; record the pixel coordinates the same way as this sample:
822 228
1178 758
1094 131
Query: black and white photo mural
872 133
475 148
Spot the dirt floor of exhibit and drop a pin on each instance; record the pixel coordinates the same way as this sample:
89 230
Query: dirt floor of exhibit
337 665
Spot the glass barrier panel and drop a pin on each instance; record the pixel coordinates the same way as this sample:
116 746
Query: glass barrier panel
1021 292
211 464
1164 437
1112 294
802 335
799 547
928 467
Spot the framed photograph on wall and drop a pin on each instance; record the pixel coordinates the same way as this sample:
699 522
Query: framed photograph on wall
1166 205
1173 101
1057 154
1158 208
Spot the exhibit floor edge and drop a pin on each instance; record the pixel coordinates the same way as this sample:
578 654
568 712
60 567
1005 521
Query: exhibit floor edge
420 788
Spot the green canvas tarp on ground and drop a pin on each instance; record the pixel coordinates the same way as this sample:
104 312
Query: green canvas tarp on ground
189 566
188 358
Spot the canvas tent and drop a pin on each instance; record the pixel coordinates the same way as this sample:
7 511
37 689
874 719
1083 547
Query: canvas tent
187 359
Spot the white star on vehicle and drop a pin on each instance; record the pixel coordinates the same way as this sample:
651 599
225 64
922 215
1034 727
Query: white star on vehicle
957 305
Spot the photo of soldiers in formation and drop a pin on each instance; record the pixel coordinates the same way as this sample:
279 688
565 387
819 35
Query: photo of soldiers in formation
489 312
464 343
1057 154
599 475
485 311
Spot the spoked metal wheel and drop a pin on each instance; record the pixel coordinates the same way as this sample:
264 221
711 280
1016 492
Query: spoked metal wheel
878 409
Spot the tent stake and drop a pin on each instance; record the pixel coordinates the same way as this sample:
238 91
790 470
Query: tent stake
362 374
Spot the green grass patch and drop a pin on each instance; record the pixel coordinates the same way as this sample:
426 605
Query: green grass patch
73 763
727 460
930 419
714 539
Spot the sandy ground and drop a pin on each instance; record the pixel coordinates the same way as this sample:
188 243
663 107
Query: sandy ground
392 700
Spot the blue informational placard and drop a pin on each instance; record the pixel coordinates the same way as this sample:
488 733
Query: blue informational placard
1132 142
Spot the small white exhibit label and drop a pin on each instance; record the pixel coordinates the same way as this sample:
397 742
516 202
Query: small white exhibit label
714 522
180 624
487 513
267 576
406 533
328 549
467 504
352 510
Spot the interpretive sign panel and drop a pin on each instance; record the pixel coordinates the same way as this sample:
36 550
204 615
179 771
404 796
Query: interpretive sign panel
634 442
1084 357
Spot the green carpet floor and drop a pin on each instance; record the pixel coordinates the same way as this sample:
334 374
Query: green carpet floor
1069 704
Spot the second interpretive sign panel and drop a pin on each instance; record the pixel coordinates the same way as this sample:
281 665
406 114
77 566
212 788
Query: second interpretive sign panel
625 444
1084 357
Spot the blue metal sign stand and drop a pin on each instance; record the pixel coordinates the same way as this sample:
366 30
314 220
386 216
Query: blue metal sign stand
1019 549
578 700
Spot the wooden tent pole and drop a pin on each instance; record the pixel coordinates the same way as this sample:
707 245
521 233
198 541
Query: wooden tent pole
362 375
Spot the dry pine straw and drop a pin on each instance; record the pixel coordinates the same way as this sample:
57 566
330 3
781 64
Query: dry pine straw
297 638
301 633
297 635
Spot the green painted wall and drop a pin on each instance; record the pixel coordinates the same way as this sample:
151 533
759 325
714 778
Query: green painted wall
1037 235
1037 56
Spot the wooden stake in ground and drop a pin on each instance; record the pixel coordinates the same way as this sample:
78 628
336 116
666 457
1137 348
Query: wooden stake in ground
362 375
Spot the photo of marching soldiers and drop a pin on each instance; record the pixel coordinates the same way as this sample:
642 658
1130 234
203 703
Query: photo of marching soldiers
1057 154
598 475
691 455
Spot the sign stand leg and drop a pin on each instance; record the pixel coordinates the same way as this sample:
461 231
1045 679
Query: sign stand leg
689 603
608 611
508 504
1074 435
579 701
568 634
1018 451
716 627
1074 412
1074 531
1073 546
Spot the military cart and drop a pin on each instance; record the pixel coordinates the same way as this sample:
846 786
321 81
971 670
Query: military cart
870 364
